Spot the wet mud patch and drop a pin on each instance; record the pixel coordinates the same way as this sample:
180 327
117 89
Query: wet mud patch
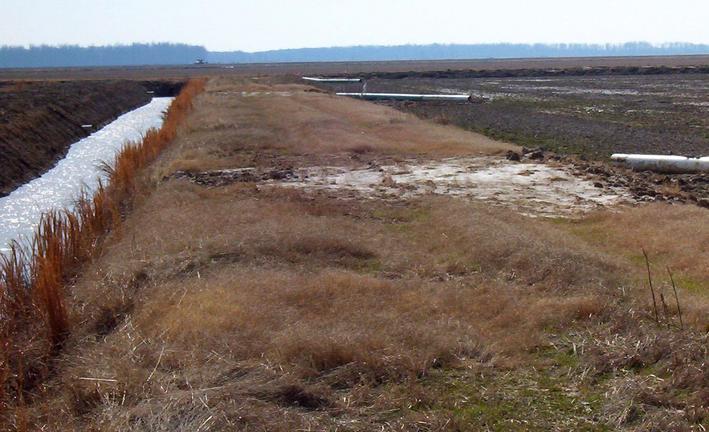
230 176
530 188
647 186
534 189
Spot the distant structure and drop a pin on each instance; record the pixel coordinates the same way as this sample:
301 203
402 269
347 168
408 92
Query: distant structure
200 61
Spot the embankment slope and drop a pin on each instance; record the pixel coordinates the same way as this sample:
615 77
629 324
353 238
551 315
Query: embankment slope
40 120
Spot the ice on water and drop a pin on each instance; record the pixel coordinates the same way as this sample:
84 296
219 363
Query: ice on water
20 212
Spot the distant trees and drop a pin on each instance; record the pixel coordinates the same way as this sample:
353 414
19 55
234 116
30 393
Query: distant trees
167 53
452 52
113 55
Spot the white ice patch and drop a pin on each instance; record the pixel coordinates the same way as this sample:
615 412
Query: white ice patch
534 189
59 187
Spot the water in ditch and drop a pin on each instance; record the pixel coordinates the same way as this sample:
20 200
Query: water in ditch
58 188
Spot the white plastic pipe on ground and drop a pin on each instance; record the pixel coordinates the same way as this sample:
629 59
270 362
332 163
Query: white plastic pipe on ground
407 97
663 164
332 80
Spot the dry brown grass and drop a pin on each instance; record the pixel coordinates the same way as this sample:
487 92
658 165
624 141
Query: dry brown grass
258 308
675 236
272 291
284 288
306 128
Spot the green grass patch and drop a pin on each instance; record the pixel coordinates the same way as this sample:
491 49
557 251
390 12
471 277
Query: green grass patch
694 286
521 400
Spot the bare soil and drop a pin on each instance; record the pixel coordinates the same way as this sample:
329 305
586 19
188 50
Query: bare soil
530 188
590 116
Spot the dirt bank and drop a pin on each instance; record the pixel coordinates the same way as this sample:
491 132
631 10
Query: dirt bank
40 120
578 71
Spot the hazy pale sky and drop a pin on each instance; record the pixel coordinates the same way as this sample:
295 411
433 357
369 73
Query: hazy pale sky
272 24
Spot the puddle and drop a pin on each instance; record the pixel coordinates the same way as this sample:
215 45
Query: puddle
698 104
578 90
533 189
20 211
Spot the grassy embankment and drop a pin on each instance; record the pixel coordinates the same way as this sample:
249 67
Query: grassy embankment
255 307
35 316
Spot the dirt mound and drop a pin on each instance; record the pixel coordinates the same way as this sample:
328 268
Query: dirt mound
40 120
230 176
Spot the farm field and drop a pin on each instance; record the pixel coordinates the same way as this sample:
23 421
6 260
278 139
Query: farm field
503 66
591 116
585 117
299 261
231 299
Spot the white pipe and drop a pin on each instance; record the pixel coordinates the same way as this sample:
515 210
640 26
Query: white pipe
332 80
409 97
663 163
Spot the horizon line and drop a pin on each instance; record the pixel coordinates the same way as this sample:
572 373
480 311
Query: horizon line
666 44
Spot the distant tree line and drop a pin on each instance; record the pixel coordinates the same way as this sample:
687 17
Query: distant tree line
453 52
113 55
174 54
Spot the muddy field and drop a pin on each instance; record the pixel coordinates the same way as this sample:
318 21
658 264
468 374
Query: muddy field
583 119
590 107
40 120
490 66
590 116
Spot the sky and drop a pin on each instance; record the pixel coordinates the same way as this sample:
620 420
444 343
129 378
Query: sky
256 25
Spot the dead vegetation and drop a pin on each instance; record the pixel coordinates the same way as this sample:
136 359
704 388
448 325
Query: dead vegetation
307 128
674 236
233 307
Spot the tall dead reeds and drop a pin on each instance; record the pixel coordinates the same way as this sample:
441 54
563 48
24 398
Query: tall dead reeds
34 318
667 314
